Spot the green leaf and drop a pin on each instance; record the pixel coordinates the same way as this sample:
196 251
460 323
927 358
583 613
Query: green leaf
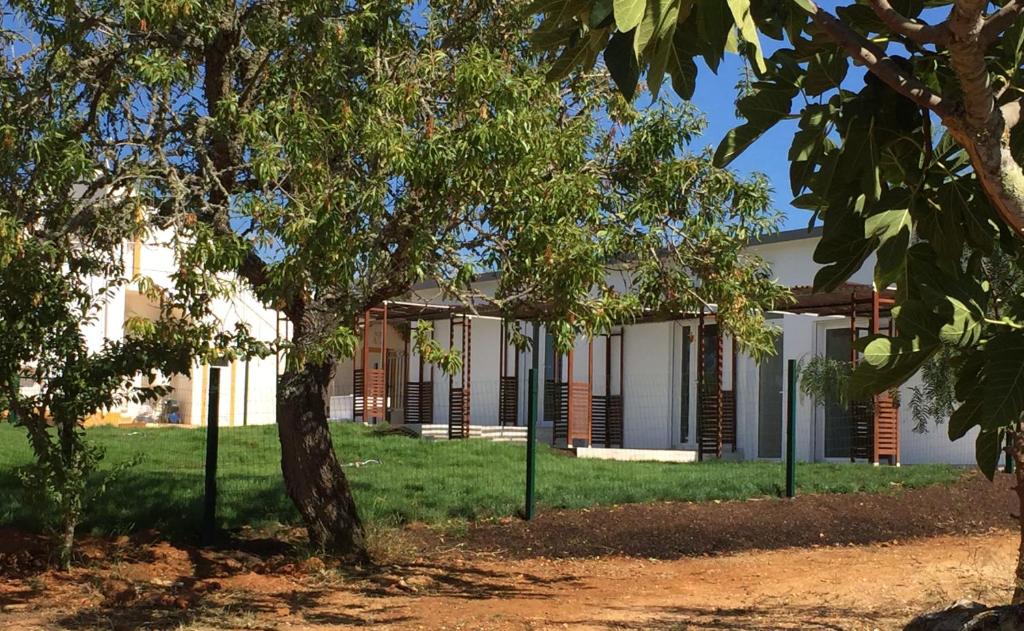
887 362
628 14
825 71
987 449
681 67
660 58
748 30
659 22
892 228
599 12
842 248
713 26
969 414
622 64
1003 378
763 109
569 59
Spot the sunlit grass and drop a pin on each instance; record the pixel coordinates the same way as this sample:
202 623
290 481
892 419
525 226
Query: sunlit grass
417 481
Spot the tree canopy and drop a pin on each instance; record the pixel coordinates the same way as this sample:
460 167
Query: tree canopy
333 155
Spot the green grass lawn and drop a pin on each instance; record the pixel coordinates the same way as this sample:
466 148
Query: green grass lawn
432 482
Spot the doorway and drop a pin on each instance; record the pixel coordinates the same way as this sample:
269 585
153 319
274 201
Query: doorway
769 404
838 346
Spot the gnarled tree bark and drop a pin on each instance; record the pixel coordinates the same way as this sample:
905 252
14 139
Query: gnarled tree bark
312 474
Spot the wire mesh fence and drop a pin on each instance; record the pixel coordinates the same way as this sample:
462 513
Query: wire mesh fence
153 476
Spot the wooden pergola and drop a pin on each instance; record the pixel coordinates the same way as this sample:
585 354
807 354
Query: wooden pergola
874 426
370 379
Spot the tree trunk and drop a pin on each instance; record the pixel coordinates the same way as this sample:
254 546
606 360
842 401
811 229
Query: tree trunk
312 474
67 541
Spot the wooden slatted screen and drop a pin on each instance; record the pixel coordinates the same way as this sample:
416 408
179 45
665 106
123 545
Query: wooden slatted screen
508 401
862 430
707 418
458 424
419 402
887 429
556 409
357 395
375 403
579 402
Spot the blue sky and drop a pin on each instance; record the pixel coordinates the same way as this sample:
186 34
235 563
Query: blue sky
715 97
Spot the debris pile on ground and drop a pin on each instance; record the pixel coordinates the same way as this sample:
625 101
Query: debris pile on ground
967 615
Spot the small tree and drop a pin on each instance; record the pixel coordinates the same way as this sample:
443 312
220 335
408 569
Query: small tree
67 210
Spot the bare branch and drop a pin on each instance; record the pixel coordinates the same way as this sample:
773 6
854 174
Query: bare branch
918 32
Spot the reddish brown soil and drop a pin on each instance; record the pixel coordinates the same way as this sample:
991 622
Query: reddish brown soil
479 581
669 530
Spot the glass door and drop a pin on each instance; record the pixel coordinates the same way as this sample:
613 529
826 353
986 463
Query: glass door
769 404
837 417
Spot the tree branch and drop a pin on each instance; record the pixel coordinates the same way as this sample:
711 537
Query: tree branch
999 21
936 34
980 129
1011 113
878 63
967 56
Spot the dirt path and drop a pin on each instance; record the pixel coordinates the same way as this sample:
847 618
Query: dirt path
876 586
857 561
857 587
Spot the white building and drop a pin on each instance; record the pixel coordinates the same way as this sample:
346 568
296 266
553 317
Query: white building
241 392
637 388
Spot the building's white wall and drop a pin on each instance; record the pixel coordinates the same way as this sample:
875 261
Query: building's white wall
647 403
153 257
798 343
792 261
653 374
934 445
484 370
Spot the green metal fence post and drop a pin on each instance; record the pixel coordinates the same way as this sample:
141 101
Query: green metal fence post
791 431
531 429
209 525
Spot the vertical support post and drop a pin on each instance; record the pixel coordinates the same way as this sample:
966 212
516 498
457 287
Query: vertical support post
700 385
531 427
719 378
467 375
875 325
853 364
245 396
735 394
570 417
384 363
12 416
209 523
791 430
590 390
607 389
451 375
1008 466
